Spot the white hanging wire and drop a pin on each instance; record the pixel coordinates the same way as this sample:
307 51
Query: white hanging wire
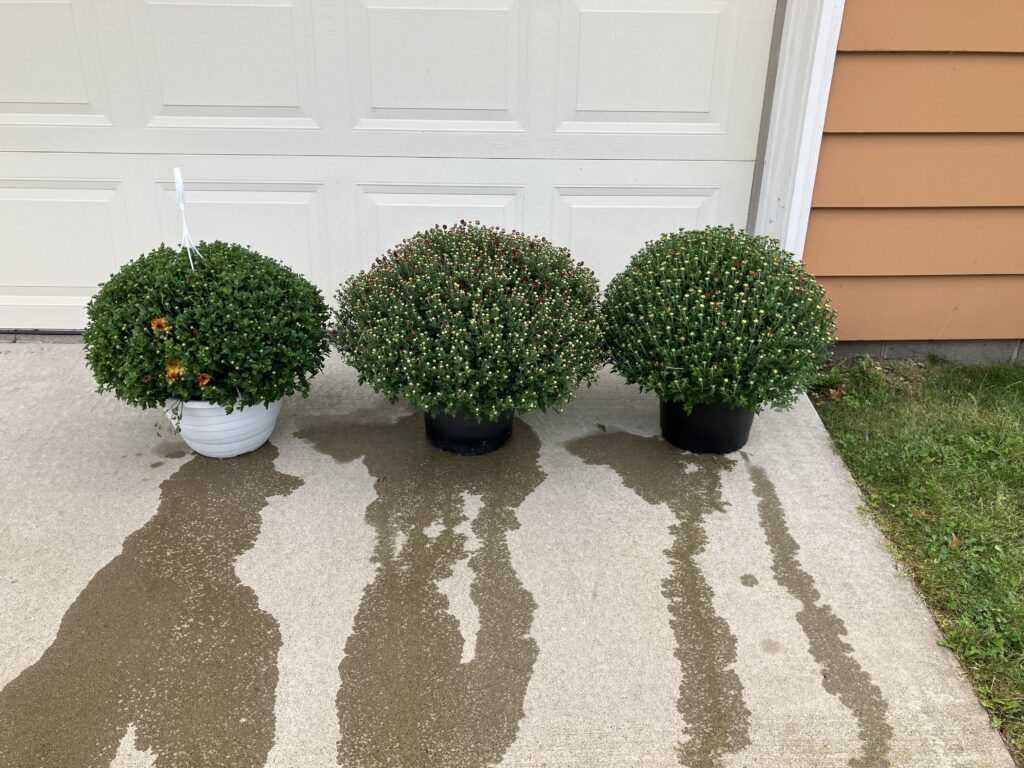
186 238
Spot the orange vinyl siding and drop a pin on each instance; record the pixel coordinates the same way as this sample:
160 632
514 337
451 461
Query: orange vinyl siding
929 307
929 92
920 171
933 25
917 220
945 241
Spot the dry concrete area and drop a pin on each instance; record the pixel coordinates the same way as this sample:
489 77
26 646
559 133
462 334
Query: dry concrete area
347 595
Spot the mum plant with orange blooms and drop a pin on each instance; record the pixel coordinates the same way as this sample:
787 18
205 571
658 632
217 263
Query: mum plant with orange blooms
237 330
718 316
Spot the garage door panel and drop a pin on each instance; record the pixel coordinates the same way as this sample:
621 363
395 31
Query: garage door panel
61 238
645 66
594 79
390 213
608 224
49 310
224 64
603 210
285 221
408 73
82 225
51 71
327 217
322 132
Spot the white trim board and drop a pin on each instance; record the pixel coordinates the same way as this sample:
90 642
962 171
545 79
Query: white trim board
806 59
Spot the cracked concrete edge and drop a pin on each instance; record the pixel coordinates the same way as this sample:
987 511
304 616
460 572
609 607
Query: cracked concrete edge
17 337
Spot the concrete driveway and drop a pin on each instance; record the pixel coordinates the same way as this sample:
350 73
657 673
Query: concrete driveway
588 596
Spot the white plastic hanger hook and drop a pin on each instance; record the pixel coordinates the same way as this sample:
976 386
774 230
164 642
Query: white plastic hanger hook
186 238
179 187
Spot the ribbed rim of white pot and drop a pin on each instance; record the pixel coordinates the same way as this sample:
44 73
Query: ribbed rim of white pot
210 431
173 401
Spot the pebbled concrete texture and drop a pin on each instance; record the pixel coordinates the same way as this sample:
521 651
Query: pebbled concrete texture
589 596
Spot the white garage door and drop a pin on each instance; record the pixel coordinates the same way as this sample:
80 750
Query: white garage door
322 131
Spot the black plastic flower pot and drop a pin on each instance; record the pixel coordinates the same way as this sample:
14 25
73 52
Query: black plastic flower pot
711 428
465 435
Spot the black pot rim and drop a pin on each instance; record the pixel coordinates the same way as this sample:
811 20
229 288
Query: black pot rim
709 427
469 417
464 435
716 403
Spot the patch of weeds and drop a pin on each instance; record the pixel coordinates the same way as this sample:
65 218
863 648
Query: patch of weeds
938 451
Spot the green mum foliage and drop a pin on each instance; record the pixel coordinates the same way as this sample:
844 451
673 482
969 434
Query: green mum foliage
240 329
717 315
472 320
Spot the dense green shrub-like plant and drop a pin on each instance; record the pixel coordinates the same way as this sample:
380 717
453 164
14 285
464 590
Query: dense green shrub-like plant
472 320
240 329
717 315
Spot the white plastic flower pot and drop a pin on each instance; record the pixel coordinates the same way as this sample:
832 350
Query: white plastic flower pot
210 431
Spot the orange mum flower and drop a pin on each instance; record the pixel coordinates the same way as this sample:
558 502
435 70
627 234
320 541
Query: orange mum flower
174 370
158 324
204 379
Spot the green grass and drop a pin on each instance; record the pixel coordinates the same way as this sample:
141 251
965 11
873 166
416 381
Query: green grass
938 451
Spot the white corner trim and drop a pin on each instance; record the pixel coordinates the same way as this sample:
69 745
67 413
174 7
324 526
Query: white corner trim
806 58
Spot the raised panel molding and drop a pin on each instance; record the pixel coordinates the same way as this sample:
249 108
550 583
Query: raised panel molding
647 66
88 213
61 239
281 220
50 69
76 255
442 65
389 213
604 226
461 79
226 63
646 62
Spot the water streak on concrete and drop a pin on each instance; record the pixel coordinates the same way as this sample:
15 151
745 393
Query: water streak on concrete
169 450
842 676
710 694
406 697
164 637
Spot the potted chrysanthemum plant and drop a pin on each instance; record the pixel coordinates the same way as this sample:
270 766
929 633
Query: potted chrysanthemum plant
472 324
216 341
718 324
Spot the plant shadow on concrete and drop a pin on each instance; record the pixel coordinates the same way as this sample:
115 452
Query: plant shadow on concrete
938 451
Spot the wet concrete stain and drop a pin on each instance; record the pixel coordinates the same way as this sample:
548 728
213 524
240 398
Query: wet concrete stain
170 451
164 637
842 676
748 580
710 694
407 699
771 646
156 465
